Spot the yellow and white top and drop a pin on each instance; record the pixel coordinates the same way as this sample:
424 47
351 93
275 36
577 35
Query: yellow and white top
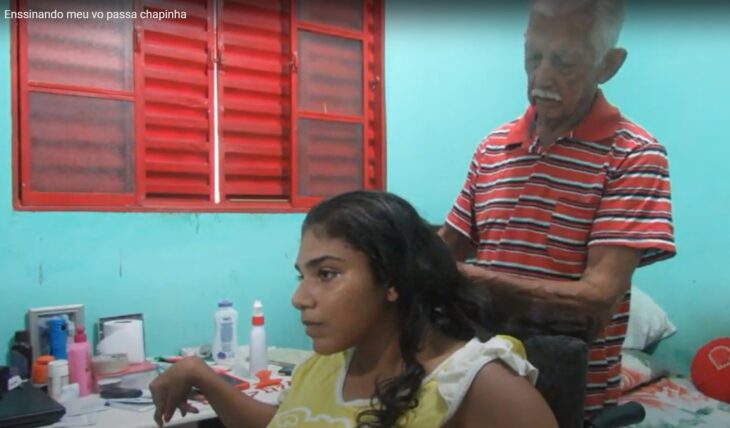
315 397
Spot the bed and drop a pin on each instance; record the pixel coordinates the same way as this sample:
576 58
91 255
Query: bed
672 401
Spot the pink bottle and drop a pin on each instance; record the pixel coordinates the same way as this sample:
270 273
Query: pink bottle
79 362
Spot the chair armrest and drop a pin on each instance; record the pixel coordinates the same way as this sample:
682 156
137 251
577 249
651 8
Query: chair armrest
620 416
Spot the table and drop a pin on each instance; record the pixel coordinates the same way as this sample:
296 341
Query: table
113 417
142 415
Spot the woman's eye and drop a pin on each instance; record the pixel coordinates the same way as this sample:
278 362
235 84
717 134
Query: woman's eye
327 275
300 277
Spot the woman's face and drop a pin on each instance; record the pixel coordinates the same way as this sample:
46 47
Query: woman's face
340 303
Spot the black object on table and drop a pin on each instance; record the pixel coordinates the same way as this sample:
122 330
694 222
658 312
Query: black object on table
26 407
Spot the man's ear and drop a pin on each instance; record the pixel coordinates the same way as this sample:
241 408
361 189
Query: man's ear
391 294
611 64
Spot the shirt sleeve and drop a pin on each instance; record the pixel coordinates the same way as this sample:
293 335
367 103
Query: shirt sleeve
636 208
455 376
461 216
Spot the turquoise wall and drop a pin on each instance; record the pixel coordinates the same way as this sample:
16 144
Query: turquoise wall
451 76
171 267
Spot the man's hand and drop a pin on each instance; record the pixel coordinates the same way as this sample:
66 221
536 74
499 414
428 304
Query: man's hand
475 273
461 246
579 308
521 316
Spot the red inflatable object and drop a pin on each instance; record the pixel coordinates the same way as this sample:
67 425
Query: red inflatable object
711 369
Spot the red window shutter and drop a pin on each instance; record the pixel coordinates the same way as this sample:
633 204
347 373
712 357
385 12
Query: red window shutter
254 93
121 112
175 98
374 170
338 135
76 107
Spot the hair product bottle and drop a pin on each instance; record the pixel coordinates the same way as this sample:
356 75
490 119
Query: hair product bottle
57 332
57 377
257 358
79 362
225 341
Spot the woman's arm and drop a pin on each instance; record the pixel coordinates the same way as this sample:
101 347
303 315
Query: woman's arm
170 391
500 398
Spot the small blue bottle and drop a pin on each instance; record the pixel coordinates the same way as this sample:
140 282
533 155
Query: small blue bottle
57 337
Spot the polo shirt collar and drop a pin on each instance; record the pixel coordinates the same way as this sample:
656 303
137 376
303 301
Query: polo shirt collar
600 123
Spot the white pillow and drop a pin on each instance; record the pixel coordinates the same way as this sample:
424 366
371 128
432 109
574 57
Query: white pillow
648 323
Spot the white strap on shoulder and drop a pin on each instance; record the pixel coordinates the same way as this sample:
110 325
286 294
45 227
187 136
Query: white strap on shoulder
456 376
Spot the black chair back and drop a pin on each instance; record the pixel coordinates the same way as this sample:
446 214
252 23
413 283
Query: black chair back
563 365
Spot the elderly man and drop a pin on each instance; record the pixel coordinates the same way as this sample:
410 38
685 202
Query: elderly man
562 204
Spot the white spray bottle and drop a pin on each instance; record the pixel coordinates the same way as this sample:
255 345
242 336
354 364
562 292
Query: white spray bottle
257 358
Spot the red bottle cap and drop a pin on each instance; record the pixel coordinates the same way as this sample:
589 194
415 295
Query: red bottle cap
80 334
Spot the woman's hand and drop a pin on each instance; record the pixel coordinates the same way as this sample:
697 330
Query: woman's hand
170 390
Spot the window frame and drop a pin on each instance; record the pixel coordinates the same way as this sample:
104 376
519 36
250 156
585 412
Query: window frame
26 200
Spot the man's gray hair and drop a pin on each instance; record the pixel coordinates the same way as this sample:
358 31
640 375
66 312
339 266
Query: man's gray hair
608 18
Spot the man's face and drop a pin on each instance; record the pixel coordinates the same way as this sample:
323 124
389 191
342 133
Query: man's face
561 68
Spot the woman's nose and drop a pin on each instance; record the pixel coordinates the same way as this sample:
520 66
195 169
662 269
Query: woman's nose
302 299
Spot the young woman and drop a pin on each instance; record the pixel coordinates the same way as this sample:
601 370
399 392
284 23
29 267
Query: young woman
396 331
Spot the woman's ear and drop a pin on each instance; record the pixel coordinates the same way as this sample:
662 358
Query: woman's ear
391 294
611 64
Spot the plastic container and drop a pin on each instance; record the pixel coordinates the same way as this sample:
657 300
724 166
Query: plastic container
57 332
57 377
21 354
39 376
79 362
225 342
258 357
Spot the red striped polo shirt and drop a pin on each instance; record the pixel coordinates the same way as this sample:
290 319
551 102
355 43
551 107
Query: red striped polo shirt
534 211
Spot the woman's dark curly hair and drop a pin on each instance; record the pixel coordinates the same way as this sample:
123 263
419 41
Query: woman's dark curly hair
404 252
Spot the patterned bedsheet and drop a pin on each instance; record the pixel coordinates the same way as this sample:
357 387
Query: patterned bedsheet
673 402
